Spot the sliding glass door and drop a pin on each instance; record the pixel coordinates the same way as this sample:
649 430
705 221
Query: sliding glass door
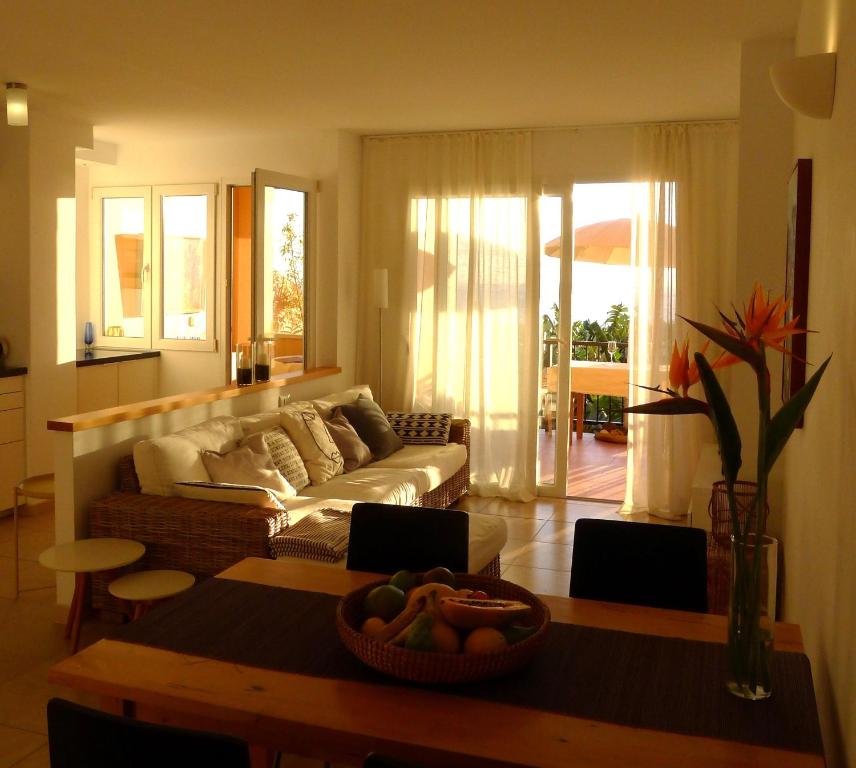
554 301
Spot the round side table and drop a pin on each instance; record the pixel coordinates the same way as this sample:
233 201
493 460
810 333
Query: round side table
83 557
145 588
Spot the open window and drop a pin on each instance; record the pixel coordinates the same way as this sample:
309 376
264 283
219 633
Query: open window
155 266
272 245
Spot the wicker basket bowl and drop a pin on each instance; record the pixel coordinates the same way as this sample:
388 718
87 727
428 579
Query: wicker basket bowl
433 667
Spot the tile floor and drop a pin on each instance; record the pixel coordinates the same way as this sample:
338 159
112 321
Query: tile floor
537 556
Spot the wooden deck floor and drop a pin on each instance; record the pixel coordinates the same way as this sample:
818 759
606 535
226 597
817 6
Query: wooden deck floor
596 470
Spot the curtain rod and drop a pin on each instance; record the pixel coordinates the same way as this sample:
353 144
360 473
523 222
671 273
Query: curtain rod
544 128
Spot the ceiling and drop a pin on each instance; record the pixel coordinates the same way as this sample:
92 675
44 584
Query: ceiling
227 68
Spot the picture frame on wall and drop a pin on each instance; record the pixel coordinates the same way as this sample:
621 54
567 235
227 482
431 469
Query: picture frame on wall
796 275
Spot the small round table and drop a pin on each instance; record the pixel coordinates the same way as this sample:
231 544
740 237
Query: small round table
83 557
144 588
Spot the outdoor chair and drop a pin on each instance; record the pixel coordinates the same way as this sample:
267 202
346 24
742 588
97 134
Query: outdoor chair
80 737
660 566
386 538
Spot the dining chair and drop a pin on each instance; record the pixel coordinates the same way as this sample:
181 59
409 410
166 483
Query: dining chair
80 737
386 538
661 566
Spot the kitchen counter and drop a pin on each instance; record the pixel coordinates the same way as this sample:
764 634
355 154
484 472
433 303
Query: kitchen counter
19 370
87 357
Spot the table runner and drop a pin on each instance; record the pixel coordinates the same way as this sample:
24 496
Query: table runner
666 684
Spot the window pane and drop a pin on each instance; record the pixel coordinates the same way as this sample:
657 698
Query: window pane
284 243
122 249
185 233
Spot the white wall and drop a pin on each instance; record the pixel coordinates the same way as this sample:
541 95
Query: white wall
15 241
310 154
51 388
819 521
766 149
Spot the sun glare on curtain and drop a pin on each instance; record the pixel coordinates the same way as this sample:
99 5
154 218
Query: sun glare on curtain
471 267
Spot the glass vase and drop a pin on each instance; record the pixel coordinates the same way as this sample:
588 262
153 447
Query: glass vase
264 359
244 363
752 616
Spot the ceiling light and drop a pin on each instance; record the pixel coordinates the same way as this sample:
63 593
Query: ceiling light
16 104
806 84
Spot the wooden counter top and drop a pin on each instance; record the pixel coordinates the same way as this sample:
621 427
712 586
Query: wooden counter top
121 413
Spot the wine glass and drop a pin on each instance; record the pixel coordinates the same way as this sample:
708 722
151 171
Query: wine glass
612 348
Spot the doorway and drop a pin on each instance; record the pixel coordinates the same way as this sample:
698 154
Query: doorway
586 295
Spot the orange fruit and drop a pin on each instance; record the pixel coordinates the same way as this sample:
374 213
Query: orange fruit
446 638
372 626
484 640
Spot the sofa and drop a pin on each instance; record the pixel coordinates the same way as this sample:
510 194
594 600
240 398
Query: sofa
208 534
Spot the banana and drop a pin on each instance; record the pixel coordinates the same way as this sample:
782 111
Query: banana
401 622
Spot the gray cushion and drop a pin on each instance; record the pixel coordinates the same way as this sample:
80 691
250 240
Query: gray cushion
354 451
371 424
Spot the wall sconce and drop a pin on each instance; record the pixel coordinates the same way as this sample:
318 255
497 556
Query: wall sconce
16 104
806 84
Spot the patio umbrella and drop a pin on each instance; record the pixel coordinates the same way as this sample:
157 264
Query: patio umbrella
604 242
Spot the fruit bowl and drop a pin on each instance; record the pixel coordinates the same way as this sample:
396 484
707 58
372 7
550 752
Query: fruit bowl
435 667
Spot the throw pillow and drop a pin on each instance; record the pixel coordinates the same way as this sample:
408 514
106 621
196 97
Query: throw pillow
354 451
421 428
371 424
284 454
234 494
244 467
318 450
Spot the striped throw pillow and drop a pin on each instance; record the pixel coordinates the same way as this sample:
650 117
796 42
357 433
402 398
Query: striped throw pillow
421 428
287 458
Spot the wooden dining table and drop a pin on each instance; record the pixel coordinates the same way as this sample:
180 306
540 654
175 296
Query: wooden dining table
343 720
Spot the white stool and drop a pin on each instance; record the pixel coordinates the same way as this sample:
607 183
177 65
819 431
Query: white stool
144 588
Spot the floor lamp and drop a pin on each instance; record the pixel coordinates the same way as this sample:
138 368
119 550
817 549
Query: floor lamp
381 301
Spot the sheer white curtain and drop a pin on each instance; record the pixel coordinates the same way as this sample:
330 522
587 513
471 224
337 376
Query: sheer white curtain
463 299
684 257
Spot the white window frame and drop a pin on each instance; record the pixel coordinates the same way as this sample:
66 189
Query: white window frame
100 194
153 267
208 344
261 179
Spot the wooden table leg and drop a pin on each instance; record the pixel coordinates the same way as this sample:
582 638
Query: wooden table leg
72 628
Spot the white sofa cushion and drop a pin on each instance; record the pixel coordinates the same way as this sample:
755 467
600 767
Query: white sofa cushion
233 494
259 422
327 404
390 486
163 461
435 463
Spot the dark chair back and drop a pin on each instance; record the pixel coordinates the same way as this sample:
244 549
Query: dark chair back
80 737
386 538
662 566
